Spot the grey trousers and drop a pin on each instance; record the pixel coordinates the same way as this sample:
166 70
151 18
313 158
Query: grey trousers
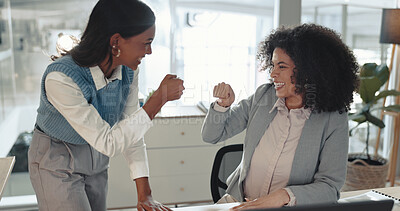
67 176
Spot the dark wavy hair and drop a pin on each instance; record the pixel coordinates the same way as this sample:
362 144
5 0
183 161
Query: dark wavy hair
326 68
126 17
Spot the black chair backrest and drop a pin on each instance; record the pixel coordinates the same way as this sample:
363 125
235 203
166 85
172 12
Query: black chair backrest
226 161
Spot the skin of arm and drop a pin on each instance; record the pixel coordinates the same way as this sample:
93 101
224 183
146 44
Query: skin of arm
171 88
145 200
276 199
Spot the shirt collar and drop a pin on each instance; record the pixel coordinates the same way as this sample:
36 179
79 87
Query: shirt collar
100 80
280 105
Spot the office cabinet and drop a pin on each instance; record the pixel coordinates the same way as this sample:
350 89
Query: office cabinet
180 162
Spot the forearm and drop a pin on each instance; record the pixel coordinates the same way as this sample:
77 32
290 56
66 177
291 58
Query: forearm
219 126
143 188
282 197
276 199
213 129
145 200
171 88
317 192
155 103
136 158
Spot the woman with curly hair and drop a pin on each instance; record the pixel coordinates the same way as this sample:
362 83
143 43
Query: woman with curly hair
296 144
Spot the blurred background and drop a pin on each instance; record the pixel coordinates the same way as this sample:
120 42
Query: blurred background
203 42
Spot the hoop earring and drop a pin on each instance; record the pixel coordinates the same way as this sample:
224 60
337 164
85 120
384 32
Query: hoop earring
118 51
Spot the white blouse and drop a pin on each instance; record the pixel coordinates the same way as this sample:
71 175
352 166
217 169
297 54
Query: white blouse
126 136
272 160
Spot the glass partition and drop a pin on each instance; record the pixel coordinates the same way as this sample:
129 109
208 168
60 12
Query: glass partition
7 74
359 26
28 33
218 46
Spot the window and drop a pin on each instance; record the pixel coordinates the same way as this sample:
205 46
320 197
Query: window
214 47
155 66
359 26
24 55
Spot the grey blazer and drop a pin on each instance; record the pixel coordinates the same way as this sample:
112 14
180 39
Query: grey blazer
319 165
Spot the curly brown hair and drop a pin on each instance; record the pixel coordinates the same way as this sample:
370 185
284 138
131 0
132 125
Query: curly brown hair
326 68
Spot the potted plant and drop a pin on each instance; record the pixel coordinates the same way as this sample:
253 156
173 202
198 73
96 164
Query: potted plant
363 170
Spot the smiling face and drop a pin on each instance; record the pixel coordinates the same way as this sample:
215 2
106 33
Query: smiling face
134 49
282 72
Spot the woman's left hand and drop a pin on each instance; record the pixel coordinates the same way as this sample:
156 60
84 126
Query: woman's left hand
273 200
150 204
145 200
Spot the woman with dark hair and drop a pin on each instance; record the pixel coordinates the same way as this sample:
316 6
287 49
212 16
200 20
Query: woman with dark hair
89 111
295 149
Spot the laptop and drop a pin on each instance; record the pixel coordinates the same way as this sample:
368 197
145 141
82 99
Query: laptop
6 166
382 205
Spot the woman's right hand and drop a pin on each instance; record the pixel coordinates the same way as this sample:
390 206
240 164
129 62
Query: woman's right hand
225 94
171 88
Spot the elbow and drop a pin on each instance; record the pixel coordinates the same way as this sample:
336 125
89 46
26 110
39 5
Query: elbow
209 140
110 148
205 134
332 192
109 152
208 137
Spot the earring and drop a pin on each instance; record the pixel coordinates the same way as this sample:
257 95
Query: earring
118 51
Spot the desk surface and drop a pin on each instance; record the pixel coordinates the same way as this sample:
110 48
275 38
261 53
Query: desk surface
393 191
214 207
6 166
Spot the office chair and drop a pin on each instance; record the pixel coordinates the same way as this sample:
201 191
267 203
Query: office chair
226 161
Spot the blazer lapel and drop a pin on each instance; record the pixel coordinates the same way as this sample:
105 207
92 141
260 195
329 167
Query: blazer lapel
258 124
307 152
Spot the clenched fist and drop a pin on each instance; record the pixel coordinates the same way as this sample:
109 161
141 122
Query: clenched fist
171 88
225 94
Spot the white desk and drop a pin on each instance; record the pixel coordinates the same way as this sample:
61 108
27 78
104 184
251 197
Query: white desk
6 166
393 191
214 207
27 202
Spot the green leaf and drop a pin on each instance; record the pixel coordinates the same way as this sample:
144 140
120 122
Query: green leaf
394 108
374 120
372 77
368 87
368 69
374 70
382 72
352 129
359 117
386 93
